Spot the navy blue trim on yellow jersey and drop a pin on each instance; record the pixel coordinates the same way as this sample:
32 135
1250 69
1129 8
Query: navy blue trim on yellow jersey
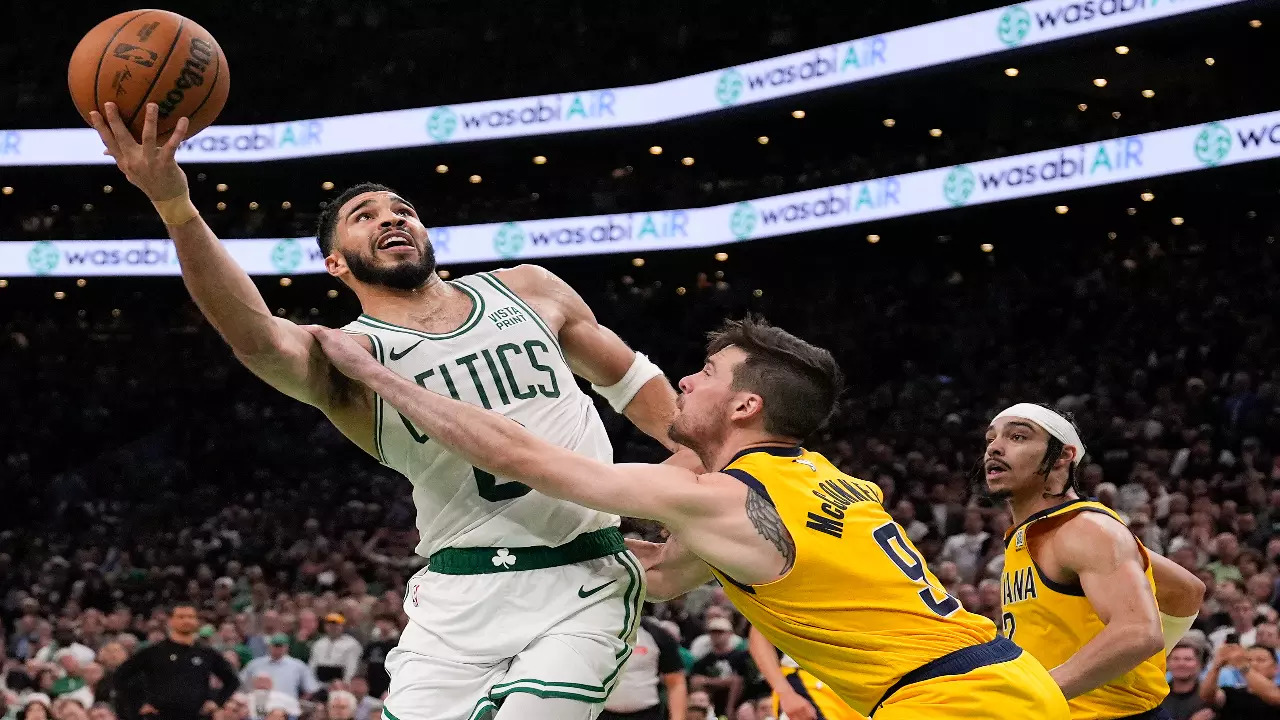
751 482
797 683
1040 515
776 450
964 660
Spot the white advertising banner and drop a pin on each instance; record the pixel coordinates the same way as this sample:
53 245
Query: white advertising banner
1168 152
939 43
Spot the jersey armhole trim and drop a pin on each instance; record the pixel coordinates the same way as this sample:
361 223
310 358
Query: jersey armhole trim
378 409
496 282
1075 589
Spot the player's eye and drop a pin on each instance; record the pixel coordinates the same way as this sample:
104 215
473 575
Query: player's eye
1019 436
363 216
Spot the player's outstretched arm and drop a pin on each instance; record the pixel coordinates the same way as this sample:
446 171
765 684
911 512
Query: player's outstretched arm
495 443
275 349
633 386
1107 559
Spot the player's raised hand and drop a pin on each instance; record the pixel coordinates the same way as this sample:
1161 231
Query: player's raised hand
149 165
343 351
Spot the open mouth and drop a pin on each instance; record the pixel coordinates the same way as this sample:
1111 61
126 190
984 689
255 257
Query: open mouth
396 239
995 469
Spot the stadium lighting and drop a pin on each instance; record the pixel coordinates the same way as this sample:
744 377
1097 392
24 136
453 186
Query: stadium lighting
1148 94
115 312
6 190
222 206
286 205
1209 61
1116 115
539 159
936 132
286 281
444 275
1177 220
222 187
474 179
722 256
87 207
1082 107
797 114
253 205
681 291
1131 211
326 185
757 292
442 169
1011 72
1100 82
4 283
107 189
332 294
655 150
1148 196
59 295
1061 209
637 262
763 139
987 247
81 282
686 161
890 122
1122 49
1255 24
1111 236
873 239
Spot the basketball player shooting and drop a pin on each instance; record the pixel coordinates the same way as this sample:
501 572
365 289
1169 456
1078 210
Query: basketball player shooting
530 604
1080 592
807 553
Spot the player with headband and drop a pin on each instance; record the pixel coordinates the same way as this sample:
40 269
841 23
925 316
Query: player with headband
1079 590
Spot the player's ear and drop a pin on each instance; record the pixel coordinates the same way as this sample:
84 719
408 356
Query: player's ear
335 264
747 406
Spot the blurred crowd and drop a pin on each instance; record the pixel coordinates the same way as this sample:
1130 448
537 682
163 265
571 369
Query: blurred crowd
147 469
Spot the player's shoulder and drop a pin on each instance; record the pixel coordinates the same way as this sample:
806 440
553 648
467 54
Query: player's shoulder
1087 534
525 276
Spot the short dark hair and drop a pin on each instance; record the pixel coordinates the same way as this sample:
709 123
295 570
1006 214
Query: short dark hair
329 216
799 382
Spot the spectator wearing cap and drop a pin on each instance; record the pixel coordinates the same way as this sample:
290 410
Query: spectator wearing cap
701 645
288 675
337 654
270 624
727 671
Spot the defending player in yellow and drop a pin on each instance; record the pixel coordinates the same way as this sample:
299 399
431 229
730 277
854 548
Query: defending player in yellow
806 552
1079 590
797 694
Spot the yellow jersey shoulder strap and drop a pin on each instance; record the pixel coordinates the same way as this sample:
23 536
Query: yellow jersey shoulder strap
1018 536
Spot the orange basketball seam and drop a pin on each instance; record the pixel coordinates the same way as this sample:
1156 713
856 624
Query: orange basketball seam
102 58
159 71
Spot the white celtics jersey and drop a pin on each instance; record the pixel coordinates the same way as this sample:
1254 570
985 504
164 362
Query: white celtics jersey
503 357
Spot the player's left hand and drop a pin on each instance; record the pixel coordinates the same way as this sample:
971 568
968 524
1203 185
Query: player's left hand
343 351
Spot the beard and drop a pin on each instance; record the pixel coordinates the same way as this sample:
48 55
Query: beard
401 276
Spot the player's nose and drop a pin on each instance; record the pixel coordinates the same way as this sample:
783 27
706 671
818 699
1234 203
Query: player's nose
685 384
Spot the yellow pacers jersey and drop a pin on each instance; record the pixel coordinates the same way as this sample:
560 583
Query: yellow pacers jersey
1052 621
859 609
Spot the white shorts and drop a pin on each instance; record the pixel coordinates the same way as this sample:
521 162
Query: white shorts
555 632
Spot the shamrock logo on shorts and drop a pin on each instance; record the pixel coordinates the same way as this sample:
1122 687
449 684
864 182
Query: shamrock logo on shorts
504 558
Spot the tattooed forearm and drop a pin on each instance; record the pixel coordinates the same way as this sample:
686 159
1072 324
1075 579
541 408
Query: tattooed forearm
764 516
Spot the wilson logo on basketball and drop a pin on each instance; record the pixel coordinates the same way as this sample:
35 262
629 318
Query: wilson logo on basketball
192 75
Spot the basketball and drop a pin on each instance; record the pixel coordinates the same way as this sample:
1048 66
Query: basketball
146 56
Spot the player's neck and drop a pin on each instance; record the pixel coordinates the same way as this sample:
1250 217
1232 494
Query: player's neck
1024 506
405 307
715 459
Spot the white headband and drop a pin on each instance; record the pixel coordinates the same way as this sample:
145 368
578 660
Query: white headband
1052 423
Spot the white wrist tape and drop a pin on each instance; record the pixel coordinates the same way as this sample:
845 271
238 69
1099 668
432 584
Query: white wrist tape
620 394
1174 628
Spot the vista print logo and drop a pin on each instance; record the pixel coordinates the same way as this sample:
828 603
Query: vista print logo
1014 25
959 185
509 240
286 256
1213 144
729 87
743 220
442 123
43 257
